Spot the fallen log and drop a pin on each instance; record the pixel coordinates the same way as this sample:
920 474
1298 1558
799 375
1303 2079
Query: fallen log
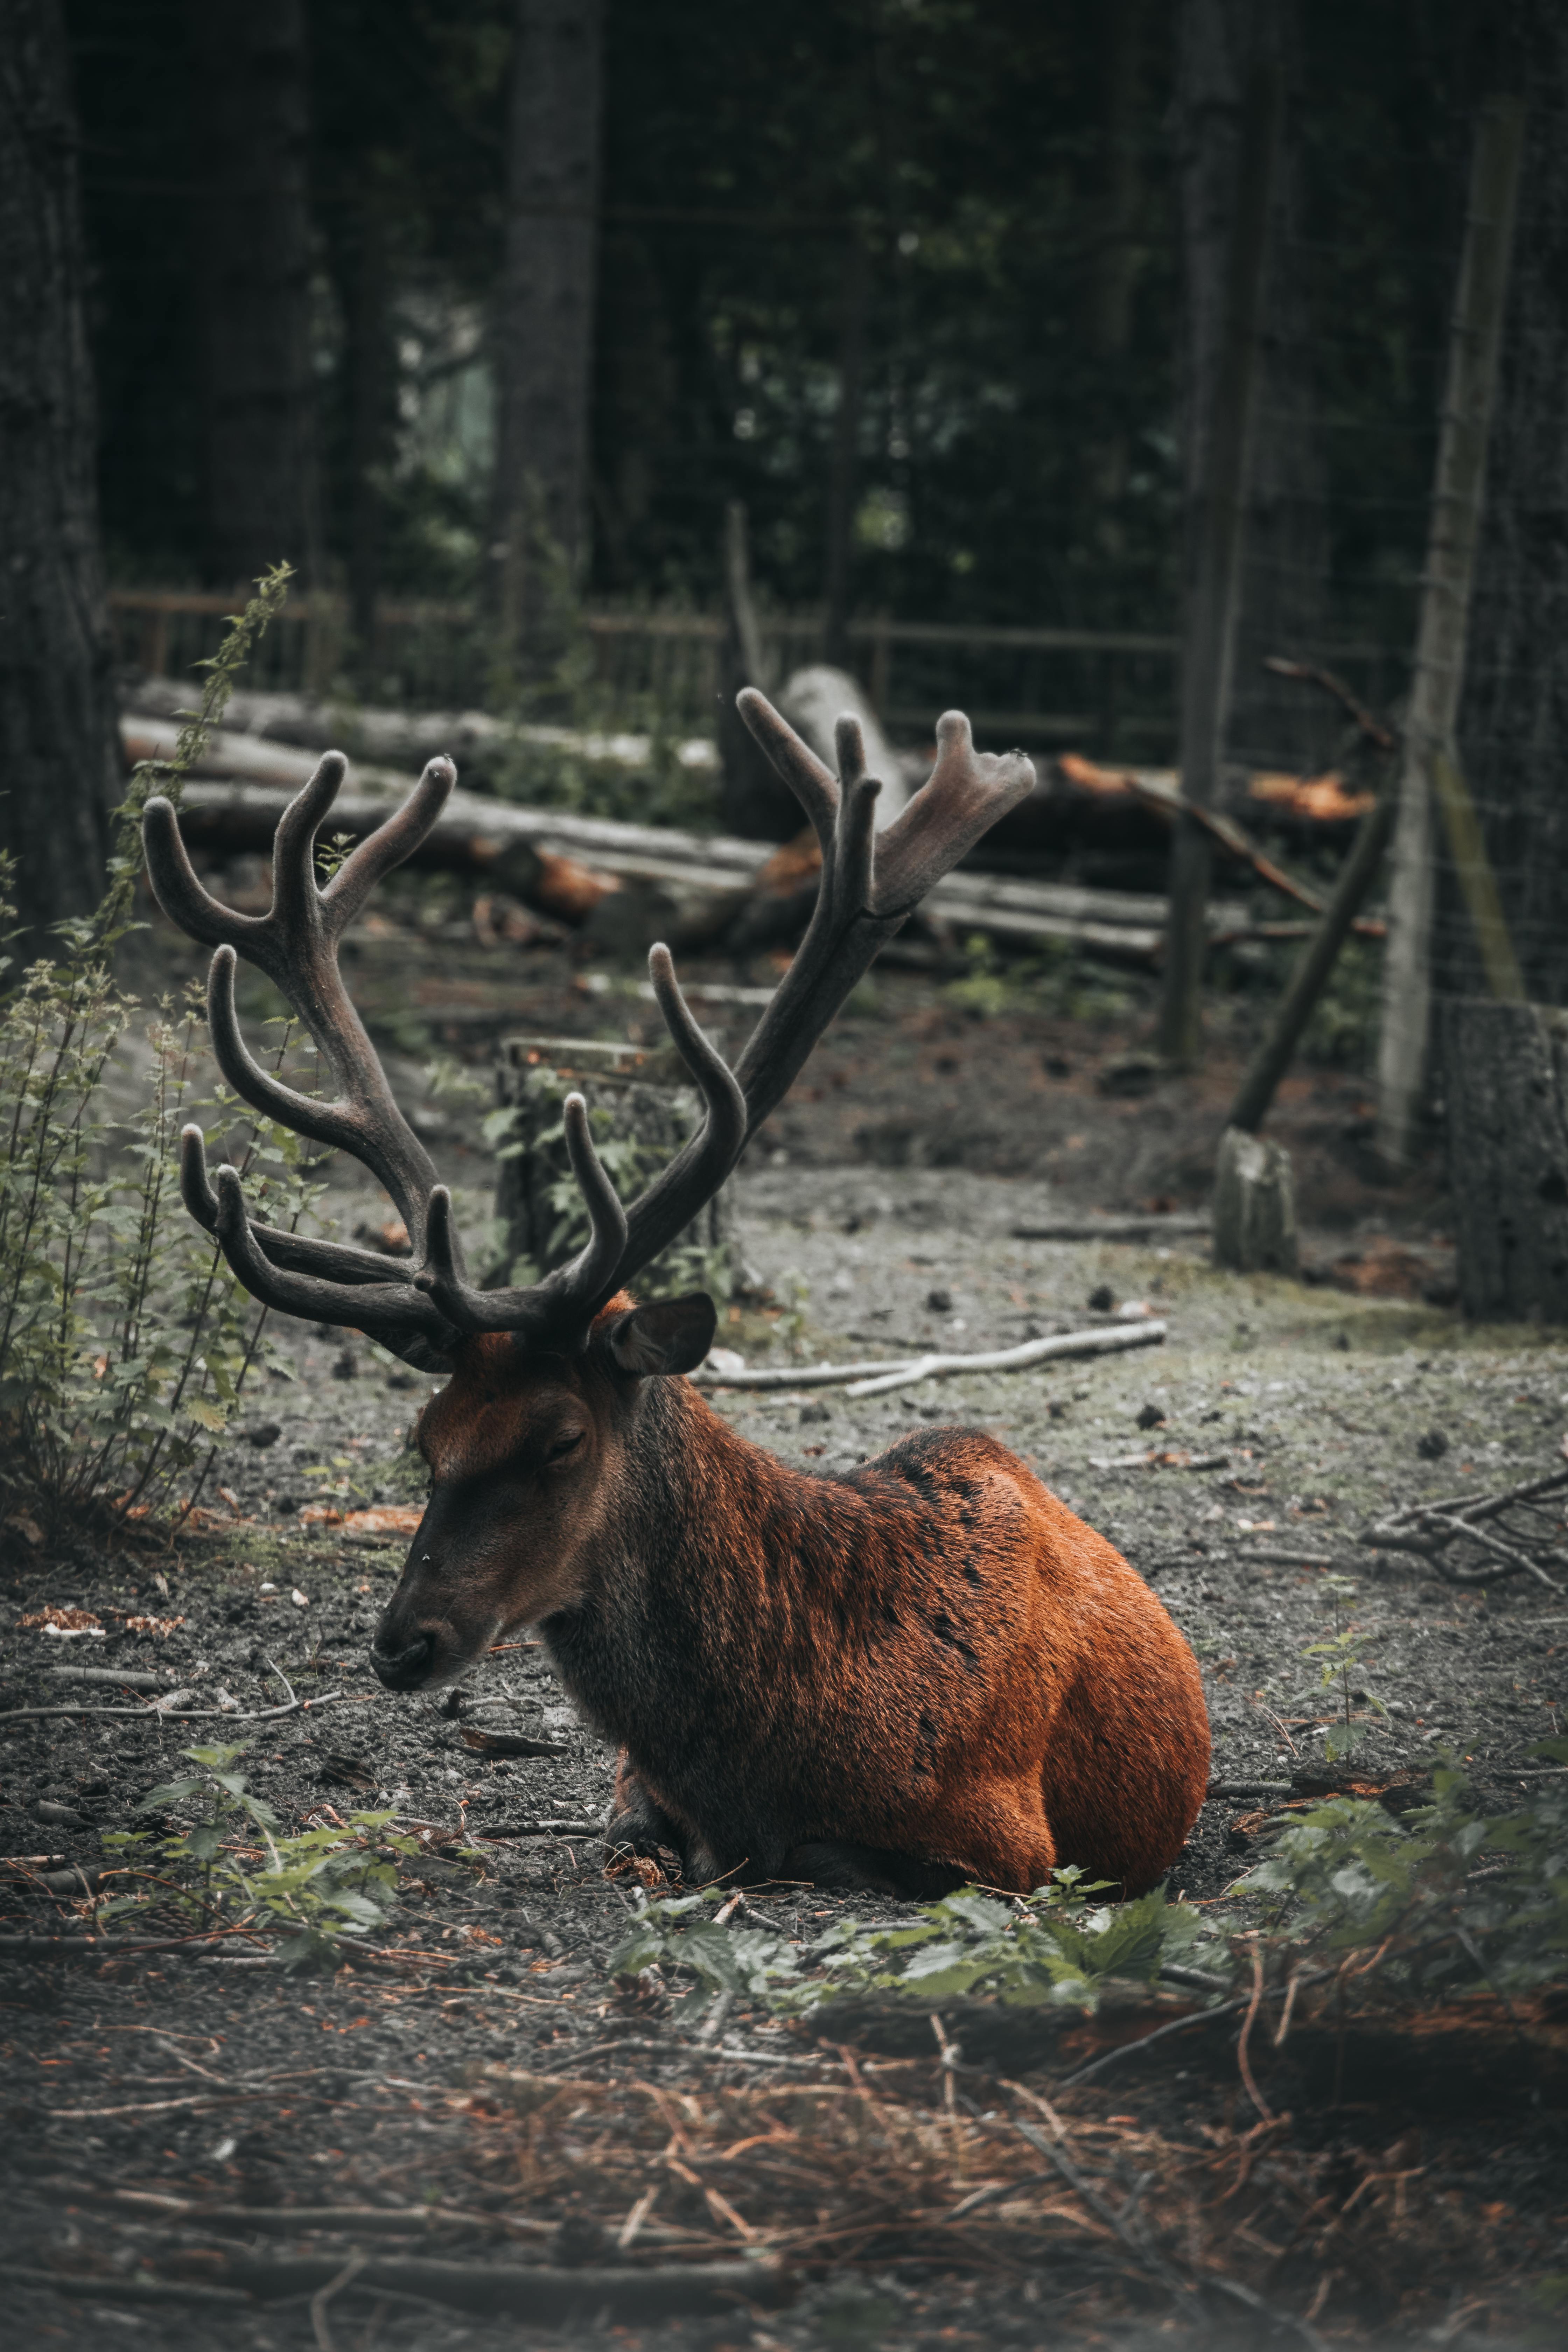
698 887
565 864
371 793
403 739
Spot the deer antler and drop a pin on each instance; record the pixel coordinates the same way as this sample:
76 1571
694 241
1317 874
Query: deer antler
869 887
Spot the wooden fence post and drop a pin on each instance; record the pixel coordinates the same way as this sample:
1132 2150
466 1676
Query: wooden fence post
1457 495
1208 632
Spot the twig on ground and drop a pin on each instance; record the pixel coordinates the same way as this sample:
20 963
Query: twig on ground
120 2290
1434 1528
1242 2056
1158 1225
179 1713
323 2295
1142 2254
1161 2034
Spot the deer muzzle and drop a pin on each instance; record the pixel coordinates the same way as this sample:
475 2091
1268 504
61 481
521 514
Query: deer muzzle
403 1666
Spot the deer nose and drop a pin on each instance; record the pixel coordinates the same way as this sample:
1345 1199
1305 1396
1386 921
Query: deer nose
407 1668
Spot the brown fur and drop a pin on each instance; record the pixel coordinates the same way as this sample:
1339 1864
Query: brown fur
923 1670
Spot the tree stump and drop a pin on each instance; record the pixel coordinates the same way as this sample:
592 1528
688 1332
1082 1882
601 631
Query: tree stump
1254 1205
1506 1080
641 1109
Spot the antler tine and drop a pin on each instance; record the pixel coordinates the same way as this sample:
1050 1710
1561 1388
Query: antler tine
294 944
961 798
301 1253
199 915
394 1312
329 1123
387 846
563 1303
669 1205
814 787
871 883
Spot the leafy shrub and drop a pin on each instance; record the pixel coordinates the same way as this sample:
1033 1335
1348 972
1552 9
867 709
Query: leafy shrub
233 1869
1347 1873
124 1340
1053 1946
1342 1876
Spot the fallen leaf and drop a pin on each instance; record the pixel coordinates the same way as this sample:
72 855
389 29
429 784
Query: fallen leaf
640 1867
385 1519
66 1625
320 1515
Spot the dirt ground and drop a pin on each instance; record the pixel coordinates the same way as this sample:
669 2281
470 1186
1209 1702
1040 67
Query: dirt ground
882 1201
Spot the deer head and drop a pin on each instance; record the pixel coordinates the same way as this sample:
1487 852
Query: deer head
526 1443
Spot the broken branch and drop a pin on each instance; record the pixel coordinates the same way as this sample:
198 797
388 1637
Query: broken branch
875 1379
1309 674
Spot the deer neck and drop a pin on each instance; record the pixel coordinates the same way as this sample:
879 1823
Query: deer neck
714 1547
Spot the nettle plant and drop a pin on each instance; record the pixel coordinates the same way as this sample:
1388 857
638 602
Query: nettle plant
236 1869
1445 1897
1054 1948
124 1339
1342 1657
1451 1897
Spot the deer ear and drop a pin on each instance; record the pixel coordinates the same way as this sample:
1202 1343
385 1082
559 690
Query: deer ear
668 1335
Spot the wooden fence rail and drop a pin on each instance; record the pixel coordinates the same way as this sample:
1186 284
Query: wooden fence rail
1111 691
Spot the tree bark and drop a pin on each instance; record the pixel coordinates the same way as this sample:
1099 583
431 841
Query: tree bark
1514 720
261 464
371 420
544 324
1220 43
59 746
1506 1079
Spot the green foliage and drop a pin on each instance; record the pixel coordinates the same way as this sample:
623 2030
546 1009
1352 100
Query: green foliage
1448 1898
1052 1947
1056 982
1340 1655
793 1292
231 1868
1347 1873
1343 1031
631 1161
124 1340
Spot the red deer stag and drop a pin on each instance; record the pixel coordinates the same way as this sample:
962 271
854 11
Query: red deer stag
923 1671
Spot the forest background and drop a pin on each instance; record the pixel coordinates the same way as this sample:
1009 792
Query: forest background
508 304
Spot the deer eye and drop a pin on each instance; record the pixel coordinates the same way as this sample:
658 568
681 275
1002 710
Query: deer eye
567 1443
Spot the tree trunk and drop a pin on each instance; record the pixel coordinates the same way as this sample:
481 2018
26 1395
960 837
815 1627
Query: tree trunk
1513 720
1506 1078
262 485
373 397
58 748
545 324
1123 33
1285 552
638 1127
